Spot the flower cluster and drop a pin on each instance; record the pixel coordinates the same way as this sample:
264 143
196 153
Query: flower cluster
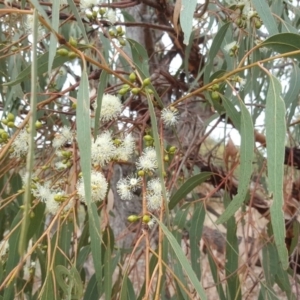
154 194
20 144
169 116
65 136
52 198
99 187
147 161
111 107
85 4
126 186
105 149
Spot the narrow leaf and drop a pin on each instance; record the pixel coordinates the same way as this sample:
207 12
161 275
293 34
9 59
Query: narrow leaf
84 143
53 40
187 17
275 136
187 187
215 47
246 157
183 261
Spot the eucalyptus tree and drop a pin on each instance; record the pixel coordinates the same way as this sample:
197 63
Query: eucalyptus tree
108 176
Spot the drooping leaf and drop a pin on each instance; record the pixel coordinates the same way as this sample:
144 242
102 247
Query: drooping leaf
215 47
183 261
42 67
275 137
186 18
84 143
246 158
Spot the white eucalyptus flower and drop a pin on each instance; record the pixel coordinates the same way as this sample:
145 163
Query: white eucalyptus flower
99 187
20 144
111 16
169 117
85 4
65 136
103 149
111 107
124 189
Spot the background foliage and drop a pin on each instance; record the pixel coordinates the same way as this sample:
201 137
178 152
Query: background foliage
208 217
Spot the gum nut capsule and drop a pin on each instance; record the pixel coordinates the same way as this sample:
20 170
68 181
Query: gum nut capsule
62 52
146 219
132 218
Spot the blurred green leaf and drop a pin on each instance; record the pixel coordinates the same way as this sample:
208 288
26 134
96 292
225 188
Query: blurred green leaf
48 291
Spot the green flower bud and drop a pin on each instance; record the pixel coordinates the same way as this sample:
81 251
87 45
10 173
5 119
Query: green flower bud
258 24
172 149
148 138
10 117
146 219
146 81
215 95
141 173
102 11
4 121
215 87
122 41
132 77
31 215
94 14
166 158
149 91
62 52
122 91
133 218
73 42
11 124
135 91
4 136
38 125
72 55
112 32
149 143
59 198
119 30
74 105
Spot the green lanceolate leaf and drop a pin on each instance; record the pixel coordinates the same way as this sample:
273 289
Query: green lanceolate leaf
187 187
186 266
215 47
246 157
275 137
42 67
186 18
284 43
